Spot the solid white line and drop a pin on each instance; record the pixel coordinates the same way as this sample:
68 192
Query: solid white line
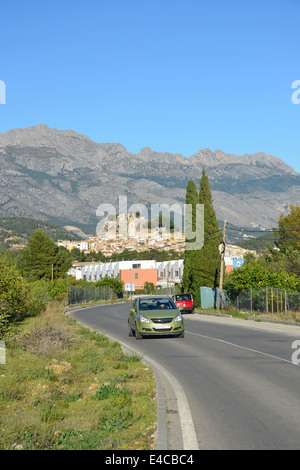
241 347
189 437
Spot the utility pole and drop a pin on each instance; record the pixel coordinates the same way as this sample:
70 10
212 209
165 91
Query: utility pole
222 265
130 286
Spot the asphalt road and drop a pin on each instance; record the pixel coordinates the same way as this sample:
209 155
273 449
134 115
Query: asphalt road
230 384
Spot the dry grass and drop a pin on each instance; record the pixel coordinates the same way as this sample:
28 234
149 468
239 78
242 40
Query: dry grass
45 342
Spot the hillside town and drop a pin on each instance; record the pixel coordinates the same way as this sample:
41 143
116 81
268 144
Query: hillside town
140 238
136 273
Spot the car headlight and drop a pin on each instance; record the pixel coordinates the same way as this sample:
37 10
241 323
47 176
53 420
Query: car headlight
178 318
143 319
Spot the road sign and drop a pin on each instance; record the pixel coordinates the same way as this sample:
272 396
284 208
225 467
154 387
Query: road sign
130 287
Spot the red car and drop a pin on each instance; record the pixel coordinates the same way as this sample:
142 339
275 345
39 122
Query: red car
184 302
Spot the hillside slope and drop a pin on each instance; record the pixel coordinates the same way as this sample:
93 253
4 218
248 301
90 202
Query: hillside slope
62 177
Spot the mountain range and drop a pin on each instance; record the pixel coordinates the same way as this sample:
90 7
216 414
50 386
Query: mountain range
61 177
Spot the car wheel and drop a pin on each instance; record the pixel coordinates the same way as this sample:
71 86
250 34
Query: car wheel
181 335
138 335
131 332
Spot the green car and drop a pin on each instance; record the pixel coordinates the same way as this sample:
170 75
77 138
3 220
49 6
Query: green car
155 315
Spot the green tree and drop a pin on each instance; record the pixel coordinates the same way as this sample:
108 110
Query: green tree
149 287
62 263
206 261
256 273
201 267
289 229
286 255
77 254
43 259
15 297
292 261
192 198
115 284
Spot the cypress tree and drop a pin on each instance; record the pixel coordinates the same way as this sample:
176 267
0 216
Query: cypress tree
209 258
192 198
205 263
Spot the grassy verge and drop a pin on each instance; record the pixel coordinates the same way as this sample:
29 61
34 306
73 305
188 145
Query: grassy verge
225 312
245 315
64 387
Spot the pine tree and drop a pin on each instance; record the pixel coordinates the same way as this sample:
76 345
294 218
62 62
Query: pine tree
42 255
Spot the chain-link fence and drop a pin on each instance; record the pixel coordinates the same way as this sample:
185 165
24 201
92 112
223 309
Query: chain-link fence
154 291
269 300
82 294
164 291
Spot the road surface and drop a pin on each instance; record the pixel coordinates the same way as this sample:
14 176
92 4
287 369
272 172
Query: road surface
230 384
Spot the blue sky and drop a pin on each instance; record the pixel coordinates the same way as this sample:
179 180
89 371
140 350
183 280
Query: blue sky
175 75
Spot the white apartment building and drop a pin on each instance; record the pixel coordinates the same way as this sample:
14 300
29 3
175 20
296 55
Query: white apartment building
164 273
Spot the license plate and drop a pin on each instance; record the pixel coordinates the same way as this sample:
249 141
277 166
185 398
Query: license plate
162 327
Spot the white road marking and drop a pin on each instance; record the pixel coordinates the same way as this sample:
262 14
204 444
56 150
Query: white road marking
189 437
241 347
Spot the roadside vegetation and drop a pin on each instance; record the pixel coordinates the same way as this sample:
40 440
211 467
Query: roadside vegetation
64 387
278 267
231 311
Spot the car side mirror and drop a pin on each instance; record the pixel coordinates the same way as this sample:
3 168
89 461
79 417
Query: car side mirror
132 310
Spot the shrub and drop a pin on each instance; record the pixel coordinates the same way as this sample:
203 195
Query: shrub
44 342
15 298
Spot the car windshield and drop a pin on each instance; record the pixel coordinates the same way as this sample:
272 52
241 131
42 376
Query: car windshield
156 304
179 297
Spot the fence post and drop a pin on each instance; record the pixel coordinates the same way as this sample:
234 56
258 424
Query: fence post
285 302
267 307
272 300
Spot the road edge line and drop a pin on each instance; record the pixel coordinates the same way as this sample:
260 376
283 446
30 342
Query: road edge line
189 437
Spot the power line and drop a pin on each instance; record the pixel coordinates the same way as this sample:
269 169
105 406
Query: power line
274 230
270 238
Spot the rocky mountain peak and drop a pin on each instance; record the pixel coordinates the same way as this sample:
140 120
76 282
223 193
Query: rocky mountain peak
62 176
